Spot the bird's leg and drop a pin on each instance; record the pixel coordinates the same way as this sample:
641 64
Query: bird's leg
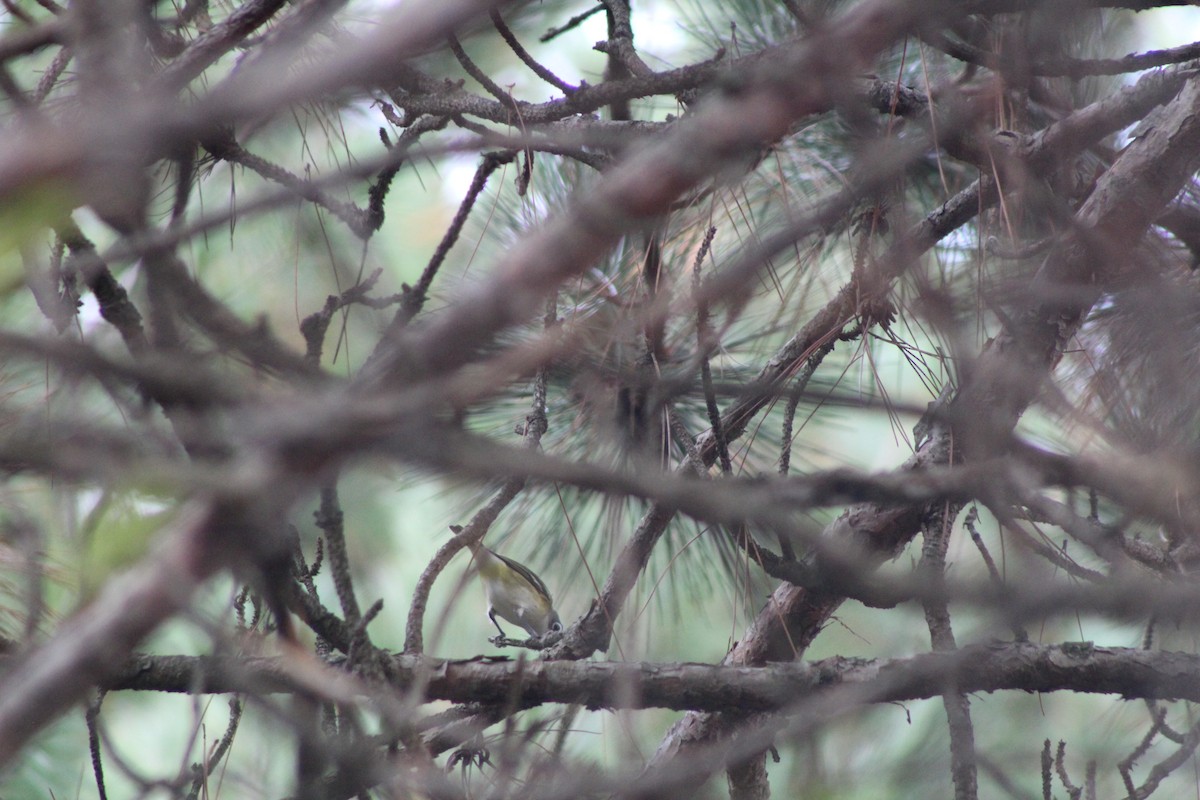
492 617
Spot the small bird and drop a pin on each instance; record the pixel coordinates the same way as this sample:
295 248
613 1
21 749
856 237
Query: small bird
515 593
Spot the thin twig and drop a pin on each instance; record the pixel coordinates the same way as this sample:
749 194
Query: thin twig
571 24
964 771
212 761
1047 766
329 519
529 61
1182 755
224 146
494 89
1074 68
414 297
704 346
969 521
93 711
1060 766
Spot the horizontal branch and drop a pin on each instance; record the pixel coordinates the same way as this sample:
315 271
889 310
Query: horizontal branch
1022 666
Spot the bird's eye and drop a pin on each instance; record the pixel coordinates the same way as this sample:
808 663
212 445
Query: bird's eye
555 627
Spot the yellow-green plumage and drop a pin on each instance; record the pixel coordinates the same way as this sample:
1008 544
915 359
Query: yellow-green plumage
515 593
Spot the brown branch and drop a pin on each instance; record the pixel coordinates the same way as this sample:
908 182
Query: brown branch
705 344
495 90
1074 68
1182 755
321 620
31 39
213 759
511 40
329 519
1020 666
222 325
620 41
571 24
225 147
93 711
414 297
116 307
315 325
218 40
963 770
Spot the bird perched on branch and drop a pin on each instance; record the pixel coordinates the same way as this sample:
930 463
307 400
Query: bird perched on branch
515 593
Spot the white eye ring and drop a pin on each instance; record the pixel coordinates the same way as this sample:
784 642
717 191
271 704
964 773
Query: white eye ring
555 627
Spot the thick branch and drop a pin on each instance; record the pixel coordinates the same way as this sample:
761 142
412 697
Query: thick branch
1018 666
